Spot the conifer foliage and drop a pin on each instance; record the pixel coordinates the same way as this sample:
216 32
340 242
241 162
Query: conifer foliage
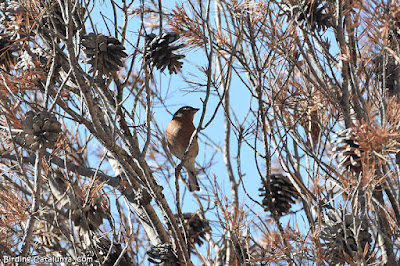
298 131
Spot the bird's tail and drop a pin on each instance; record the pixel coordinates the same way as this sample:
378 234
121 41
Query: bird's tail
193 184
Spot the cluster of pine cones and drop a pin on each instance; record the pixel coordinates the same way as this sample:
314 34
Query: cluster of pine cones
196 229
340 230
339 234
87 218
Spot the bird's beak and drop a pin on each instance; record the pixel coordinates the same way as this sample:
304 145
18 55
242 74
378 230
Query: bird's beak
195 110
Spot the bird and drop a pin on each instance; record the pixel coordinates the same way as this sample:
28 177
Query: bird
179 131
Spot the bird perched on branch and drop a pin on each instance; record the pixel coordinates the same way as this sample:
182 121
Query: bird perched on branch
179 132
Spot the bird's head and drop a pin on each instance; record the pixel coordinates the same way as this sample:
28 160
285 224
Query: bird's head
185 112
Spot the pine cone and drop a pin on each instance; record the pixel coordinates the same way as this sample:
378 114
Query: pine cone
159 53
308 13
106 50
392 75
103 246
72 197
53 19
339 232
196 227
282 194
40 129
142 197
94 214
162 253
347 148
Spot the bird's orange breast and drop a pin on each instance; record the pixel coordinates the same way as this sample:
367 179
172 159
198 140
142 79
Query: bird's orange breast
179 132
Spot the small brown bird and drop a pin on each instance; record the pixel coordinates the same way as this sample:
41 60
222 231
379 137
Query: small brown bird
179 132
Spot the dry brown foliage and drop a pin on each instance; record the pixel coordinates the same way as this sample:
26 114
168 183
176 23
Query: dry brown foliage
298 94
